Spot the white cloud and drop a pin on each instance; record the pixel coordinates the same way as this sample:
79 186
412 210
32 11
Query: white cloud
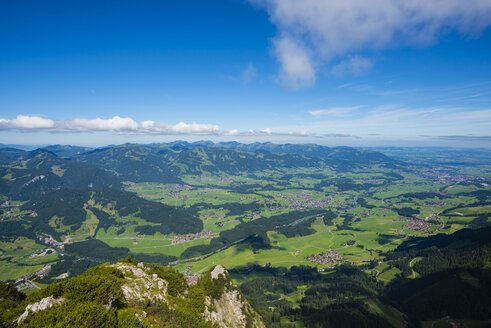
115 123
334 111
126 125
23 122
270 133
354 65
316 32
263 132
339 135
399 121
297 69
180 128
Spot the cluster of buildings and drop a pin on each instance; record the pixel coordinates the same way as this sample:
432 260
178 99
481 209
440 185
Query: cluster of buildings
302 201
330 258
190 276
449 176
176 195
416 225
43 253
249 198
209 216
48 240
41 273
204 191
376 181
436 204
25 284
365 213
178 187
175 191
8 213
179 239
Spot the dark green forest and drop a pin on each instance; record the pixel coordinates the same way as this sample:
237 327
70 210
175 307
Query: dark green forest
341 298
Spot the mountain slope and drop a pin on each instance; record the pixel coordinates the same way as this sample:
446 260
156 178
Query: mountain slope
166 162
232 161
64 211
331 155
9 155
143 163
137 163
130 294
31 174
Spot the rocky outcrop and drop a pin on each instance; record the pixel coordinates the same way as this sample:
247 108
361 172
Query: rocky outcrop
231 309
43 304
149 294
141 286
217 272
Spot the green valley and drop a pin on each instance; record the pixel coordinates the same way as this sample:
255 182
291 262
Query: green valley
310 234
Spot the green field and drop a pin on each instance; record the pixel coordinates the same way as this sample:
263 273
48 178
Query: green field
374 230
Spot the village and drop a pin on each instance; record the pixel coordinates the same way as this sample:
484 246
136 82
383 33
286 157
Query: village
331 258
190 276
365 213
301 201
175 191
448 176
9 210
49 240
25 282
179 239
210 216
435 204
416 225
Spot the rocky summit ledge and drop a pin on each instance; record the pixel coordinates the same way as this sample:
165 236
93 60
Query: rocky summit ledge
134 294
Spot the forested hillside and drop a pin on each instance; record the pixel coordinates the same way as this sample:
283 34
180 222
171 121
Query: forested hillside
454 280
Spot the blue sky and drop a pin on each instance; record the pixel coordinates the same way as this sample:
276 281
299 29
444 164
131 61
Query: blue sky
356 72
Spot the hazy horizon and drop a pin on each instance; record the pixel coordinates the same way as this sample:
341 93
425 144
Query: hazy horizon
30 147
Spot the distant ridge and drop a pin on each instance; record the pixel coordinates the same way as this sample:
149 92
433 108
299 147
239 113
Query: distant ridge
165 162
66 150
